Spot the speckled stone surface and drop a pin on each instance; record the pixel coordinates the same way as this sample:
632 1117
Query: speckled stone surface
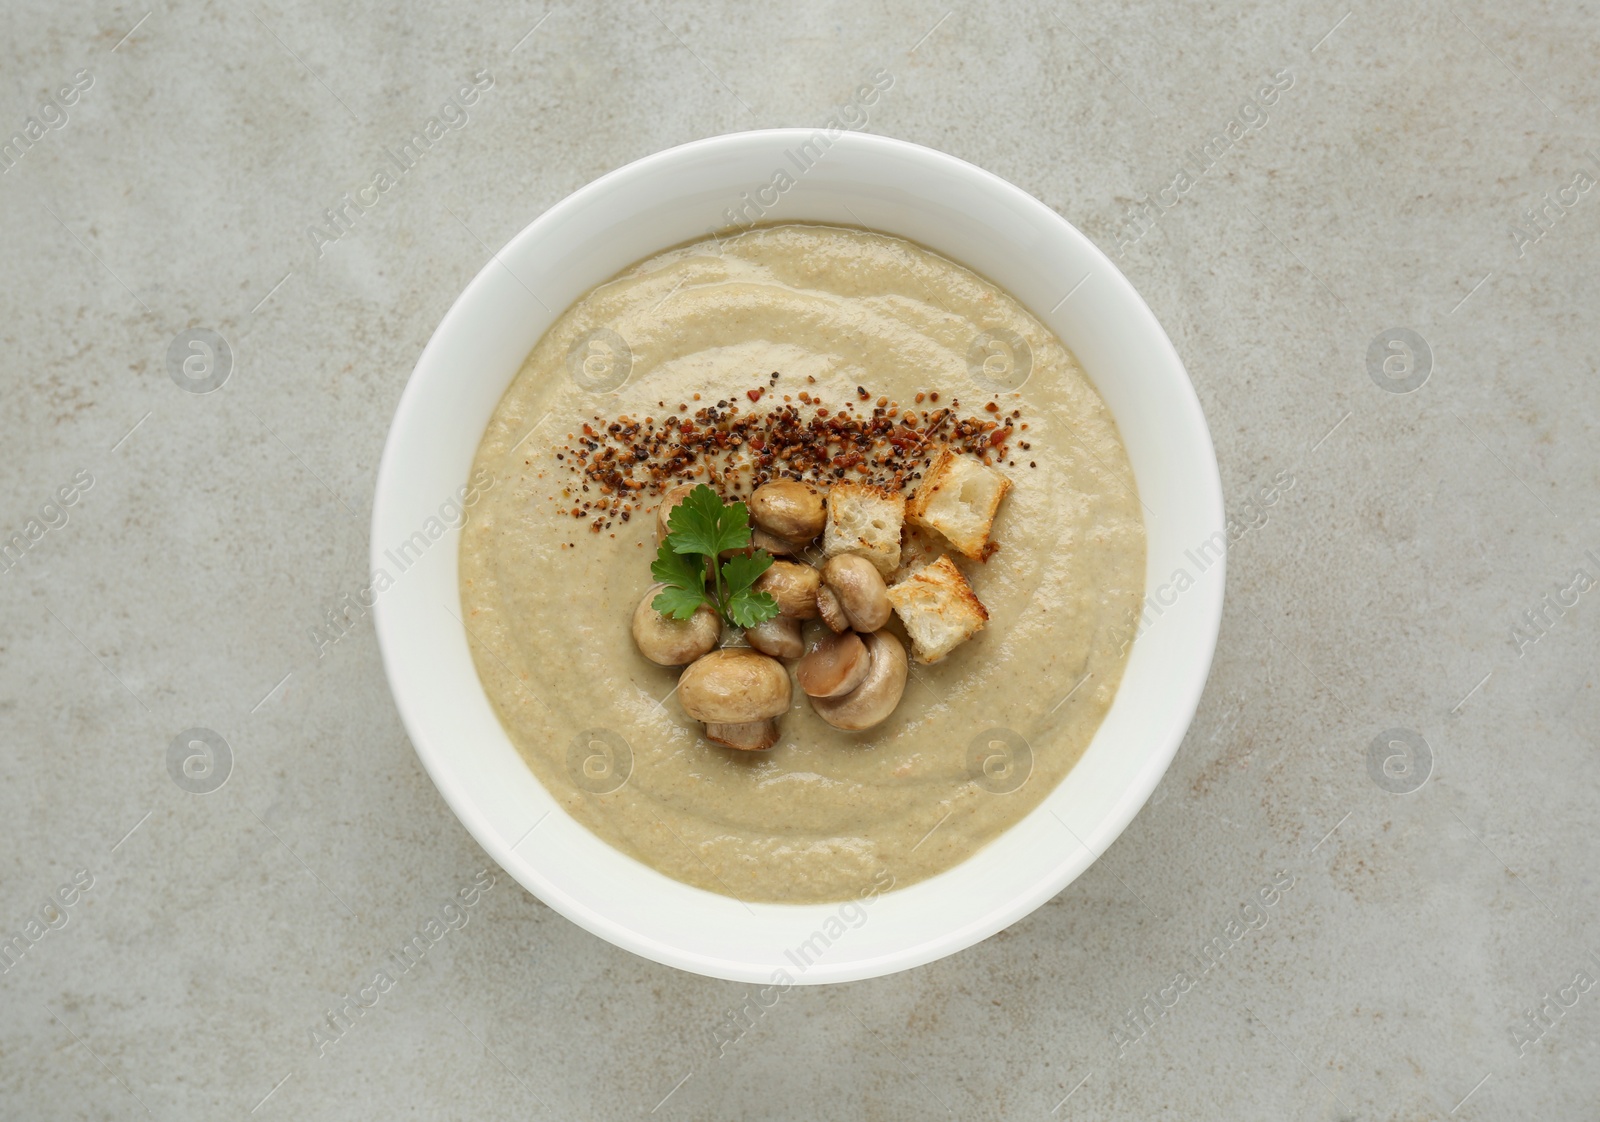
1430 945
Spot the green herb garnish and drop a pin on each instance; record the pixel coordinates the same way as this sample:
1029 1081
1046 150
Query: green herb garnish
701 527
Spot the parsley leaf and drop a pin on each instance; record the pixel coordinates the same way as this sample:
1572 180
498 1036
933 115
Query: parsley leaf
702 526
745 607
685 578
749 608
678 603
739 572
703 523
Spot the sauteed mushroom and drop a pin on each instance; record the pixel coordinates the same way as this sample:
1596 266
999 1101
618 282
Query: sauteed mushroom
789 509
877 695
671 642
670 499
794 586
859 587
835 666
778 637
831 611
734 686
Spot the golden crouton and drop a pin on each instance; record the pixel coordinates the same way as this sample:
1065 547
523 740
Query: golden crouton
866 520
938 608
958 497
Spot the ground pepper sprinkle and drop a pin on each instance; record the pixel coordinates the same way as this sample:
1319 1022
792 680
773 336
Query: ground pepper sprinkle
626 459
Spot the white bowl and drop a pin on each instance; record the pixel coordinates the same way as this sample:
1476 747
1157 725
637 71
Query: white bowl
958 210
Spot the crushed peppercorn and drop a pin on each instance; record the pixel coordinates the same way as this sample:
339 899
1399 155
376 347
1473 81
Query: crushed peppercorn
625 459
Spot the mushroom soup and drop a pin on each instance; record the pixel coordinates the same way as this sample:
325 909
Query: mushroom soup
824 384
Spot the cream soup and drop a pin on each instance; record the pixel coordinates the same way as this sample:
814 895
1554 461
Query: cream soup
554 560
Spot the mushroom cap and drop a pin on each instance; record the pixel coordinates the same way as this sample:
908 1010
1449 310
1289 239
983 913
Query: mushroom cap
833 667
877 695
671 498
778 637
751 736
794 586
789 509
734 686
673 642
860 589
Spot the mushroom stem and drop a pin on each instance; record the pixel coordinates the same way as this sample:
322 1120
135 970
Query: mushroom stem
831 611
773 544
751 736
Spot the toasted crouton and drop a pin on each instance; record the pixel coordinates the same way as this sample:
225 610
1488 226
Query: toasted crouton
938 608
958 497
866 520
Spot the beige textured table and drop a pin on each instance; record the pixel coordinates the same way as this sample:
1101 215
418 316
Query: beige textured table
1381 275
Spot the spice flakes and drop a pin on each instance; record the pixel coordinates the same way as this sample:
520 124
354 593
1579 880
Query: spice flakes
618 462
